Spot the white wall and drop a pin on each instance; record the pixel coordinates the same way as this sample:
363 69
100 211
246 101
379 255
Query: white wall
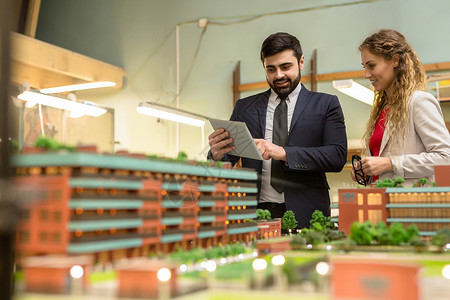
131 34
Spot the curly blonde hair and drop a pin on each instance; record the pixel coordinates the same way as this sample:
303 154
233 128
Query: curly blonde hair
409 77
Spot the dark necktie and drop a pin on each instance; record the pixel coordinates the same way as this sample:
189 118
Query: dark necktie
279 137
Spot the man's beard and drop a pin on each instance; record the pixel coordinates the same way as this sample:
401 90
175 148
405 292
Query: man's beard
283 92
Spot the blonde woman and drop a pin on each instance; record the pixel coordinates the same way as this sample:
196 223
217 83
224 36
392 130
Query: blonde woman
406 134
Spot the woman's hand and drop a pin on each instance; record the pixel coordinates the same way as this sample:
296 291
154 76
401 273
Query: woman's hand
353 175
375 165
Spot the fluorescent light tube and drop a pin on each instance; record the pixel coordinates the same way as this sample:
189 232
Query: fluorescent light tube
77 87
170 113
77 108
354 90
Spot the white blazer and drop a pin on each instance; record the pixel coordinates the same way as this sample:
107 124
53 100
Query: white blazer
426 143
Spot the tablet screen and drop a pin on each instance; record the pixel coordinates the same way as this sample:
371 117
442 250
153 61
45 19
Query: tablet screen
242 139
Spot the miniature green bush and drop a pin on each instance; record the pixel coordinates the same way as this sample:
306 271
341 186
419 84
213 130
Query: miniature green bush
202 163
218 164
382 234
412 232
322 230
182 155
423 181
417 241
442 237
298 239
263 214
398 181
15 147
236 248
333 235
319 222
399 235
216 252
387 182
361 233
51 144
366 234
313 237
198 254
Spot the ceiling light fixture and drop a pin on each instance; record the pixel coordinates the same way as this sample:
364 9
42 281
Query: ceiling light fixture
77 87
354 90
76 108
170 113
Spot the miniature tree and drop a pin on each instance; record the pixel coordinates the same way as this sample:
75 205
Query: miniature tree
263 214
398 181
182 155
420 182
260 214
288 221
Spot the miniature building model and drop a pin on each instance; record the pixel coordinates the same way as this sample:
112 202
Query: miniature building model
356 277
138 279
116 206
268 229
51 274
426 207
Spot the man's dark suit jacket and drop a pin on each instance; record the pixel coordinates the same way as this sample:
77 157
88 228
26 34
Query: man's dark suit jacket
317 143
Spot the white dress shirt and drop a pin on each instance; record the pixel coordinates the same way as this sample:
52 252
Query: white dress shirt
268 193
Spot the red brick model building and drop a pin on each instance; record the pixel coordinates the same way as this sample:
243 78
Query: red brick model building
426 207
113 207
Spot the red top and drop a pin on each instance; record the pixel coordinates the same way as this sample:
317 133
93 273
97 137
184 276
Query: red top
377 136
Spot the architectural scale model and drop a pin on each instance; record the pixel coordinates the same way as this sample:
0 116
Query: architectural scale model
426 207
115 206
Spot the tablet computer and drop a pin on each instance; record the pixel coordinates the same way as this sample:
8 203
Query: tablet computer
242 139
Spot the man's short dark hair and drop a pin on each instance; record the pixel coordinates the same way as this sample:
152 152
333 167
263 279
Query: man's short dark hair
278 42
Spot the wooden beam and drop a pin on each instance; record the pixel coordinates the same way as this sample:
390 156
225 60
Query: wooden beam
32 17
43 56
253 86
236 82
342 75
36 77
437 66
314 71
